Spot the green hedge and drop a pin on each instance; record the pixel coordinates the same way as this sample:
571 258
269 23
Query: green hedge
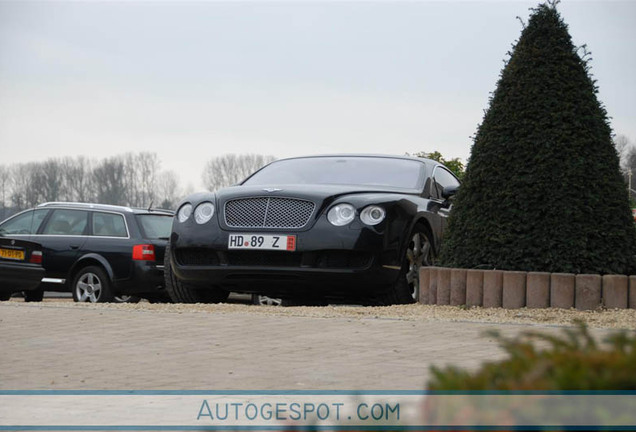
543 190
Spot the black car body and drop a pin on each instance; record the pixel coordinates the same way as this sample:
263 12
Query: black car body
393 211
98 252
20 267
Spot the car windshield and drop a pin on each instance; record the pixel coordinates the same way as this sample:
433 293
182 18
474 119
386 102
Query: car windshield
155 226
363 171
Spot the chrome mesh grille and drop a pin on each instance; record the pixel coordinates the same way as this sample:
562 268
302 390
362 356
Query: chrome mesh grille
266 212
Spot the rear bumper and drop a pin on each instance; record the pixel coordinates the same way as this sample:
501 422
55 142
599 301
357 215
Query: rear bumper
147 277
16 277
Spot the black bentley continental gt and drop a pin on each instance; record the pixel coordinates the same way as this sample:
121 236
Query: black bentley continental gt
318 228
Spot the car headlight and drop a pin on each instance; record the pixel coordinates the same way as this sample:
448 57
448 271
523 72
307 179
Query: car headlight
203 212
184 212
372 215
341 214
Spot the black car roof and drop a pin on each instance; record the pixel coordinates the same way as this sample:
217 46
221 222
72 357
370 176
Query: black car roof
374 155
105 207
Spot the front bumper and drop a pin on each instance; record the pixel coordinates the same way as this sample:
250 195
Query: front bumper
328 261
16 277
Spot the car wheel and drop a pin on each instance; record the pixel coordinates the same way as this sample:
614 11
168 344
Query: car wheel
33 296
4 296
92 285
183 292
126 299
262 300
419 253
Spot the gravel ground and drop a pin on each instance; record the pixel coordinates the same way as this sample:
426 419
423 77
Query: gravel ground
611 319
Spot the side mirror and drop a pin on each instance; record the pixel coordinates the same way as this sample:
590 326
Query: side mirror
449 191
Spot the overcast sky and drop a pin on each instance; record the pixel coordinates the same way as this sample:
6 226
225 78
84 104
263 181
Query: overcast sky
194 80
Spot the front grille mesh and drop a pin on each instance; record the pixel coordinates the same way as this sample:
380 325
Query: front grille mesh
266 212
196 257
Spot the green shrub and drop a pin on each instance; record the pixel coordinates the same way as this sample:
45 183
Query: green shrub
542 189
540 361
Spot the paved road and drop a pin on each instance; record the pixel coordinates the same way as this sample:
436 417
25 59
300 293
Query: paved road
53 346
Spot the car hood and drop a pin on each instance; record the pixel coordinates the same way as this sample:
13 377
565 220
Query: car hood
316 193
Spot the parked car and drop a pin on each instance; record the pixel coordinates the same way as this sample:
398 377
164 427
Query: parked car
315 228
20 268
101 253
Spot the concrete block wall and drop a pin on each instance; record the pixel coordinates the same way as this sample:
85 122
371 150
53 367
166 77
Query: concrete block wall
514 289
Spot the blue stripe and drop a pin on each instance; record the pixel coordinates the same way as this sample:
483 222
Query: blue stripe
305 392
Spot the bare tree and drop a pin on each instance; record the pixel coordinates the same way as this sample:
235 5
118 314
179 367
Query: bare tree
623 147
167 189
23 193
131 179
48 180
109 181
230 169
5 176
147 169
78 184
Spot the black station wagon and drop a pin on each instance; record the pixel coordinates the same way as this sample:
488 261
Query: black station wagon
314 228
100 253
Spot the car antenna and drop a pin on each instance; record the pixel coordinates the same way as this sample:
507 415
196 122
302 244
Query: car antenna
150 206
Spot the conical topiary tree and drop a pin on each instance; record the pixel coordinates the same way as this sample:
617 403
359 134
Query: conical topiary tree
542 190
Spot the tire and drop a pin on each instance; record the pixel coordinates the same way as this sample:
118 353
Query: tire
183 292
92 285
33 296
5 295
419 253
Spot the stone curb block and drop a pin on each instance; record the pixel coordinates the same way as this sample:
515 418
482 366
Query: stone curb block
425 274
538 290
562 290
432 286
443 286
614 291
474 287
458 287
493 288
632 292
587 293
514 290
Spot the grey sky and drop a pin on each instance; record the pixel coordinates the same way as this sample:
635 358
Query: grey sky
193 80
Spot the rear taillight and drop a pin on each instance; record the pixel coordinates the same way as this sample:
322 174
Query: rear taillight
36 257
144 252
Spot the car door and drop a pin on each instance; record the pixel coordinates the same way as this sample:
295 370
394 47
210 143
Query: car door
443 178
110 238
62 236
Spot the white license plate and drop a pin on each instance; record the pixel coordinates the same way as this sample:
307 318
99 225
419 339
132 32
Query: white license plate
262 242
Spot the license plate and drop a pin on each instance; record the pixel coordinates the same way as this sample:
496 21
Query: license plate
12 254
262 242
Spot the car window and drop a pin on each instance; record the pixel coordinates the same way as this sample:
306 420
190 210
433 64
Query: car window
109 225
155 226
67 222
343 170
25 223
443 179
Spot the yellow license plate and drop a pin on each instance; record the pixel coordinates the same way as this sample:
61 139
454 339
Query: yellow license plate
13 254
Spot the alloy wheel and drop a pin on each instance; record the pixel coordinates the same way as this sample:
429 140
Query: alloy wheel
418 255
89 288
267 301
